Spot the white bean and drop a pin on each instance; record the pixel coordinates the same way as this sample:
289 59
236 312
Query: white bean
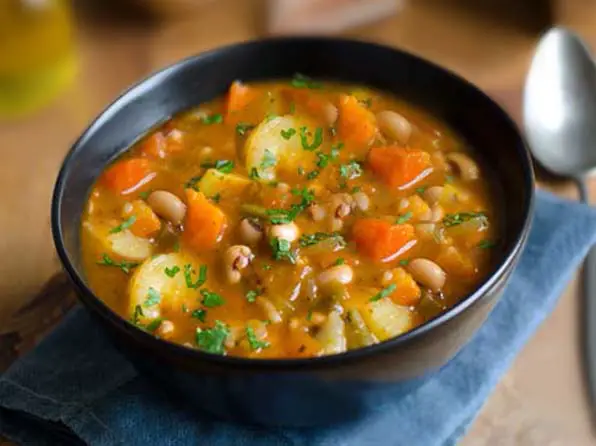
433 194
236 258
467 168
288 231
250 231
317 212
167 205
362 201
336 274
428 273
395 126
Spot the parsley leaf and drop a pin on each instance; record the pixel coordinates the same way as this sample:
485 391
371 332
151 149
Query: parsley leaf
171 272
312 175
403 218
124 266
486 244
309 315
199 314
316 141
461 217
216 198
154 324
212 340
252 295
384 292
292 108
282 250
254 342
211 299
124 225
339 261
192 183
268 159
404 262
254 174
283 216
351 170
420 190
287 134
313 239
243 127
323 159
216 118
188 276
224 166
137 314
302 81
153 298
145 194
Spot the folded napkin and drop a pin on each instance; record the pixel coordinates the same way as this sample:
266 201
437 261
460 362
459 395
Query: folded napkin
75 387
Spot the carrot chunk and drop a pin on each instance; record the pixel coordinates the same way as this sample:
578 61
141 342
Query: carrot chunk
204 223
380 240
397 166
128 175
407 292
146 223
357 125
239 97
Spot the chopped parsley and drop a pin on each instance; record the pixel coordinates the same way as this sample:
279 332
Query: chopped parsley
199 314
316 141
270 117
300 170
292 108
216 198
254 174
302 81
309 315
171 272
154 324
252 295
313 239
351 170
312 175
124 266
281 249
184 308
461 217
254 342
216 118
356 189
145 194
403 218
287 134
339 261
211 299
243 127
283 216
384 292
202 276
323 159
212 340
153 298
420 190
192 183
224 166
486 244
124 225
404 262
268 159
266 267
137 314
335 149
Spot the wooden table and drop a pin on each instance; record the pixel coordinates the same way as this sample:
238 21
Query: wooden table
539 402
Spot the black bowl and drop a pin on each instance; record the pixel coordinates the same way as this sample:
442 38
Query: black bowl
300 392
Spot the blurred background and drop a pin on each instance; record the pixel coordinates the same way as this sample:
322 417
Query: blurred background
62 62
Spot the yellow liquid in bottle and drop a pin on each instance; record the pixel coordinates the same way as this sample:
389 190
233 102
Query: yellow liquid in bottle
36 53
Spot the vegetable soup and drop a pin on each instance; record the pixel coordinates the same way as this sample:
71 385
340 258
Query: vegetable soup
290 219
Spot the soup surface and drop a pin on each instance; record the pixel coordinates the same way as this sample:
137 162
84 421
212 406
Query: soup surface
289 219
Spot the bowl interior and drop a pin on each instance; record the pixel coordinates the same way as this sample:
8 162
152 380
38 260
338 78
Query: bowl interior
192 81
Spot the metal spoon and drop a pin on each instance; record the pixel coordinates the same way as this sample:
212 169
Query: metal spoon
559 110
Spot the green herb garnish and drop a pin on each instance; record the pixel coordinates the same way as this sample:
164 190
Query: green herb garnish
292 108
124 266
287 134
145 194
403 218
281 249
461 217
212 340
323 159
300 170
192 183
254 174
243 127
309 315
316 141
449 179
313 239
211 299
171 272
224 166
268 159
404 262
252 295
486 244
284 216
202 276
384 292
339 261
302 81
254 342
216 198
420 190
266 267
216 118
199 314
137 314
124 225
351 170
154 324
312 175
153 298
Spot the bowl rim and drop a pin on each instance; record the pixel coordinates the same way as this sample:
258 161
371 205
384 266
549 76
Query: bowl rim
90 300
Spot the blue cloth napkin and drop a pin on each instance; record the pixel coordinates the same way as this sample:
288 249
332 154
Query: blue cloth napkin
76 378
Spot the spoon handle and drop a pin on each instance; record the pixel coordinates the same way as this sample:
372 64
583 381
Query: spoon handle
589 302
